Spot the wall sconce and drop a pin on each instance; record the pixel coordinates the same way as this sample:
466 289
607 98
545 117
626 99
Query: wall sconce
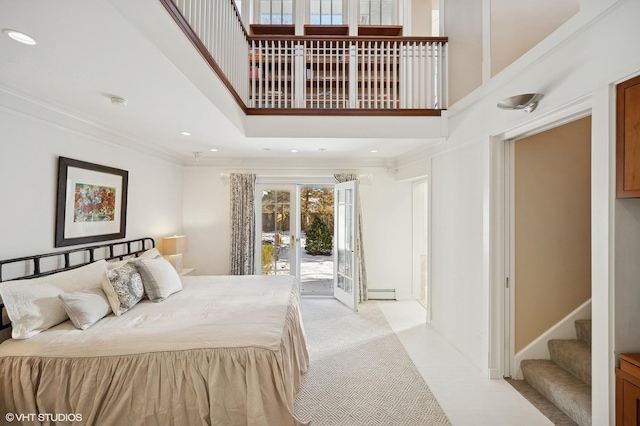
172 249
526 103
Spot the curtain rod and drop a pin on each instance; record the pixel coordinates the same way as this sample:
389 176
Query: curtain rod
360 176
365 179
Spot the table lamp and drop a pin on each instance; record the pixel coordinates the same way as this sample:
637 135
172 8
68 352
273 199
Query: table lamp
172 249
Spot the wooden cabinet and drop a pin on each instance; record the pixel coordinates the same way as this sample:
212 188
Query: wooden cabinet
628 139
628 390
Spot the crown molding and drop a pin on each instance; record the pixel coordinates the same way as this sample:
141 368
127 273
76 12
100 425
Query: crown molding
20 104
301 164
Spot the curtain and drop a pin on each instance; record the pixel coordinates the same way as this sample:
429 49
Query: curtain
243 220
362 271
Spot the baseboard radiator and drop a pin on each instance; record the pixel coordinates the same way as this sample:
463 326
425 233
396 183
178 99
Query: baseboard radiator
381 294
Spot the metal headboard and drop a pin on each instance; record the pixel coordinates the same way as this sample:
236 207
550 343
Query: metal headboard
87 255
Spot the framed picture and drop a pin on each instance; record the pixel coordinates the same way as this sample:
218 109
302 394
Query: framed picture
92 203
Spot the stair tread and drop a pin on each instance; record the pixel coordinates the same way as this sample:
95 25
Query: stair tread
566 391
572 355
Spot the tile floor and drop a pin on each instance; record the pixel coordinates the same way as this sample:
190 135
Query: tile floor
465 394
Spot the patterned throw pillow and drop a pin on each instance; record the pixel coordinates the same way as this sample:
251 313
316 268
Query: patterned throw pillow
123 287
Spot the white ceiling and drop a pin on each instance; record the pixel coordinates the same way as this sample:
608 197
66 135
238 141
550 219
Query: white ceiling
87 51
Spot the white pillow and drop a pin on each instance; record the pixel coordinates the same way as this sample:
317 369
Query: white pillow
123 287
33 305
116 264
159 277
85 307
150 254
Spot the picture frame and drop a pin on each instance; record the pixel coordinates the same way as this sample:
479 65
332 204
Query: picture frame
91 203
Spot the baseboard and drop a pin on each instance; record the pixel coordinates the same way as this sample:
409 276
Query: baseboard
381 294
565 329
495 373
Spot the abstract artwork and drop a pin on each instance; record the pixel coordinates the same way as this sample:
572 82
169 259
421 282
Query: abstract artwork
92 203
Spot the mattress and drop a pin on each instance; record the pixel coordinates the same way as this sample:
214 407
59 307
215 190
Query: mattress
226 350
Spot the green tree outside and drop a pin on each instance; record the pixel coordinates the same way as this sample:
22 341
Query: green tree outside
319 238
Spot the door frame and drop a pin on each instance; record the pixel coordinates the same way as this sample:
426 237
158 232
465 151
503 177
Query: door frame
425 216
349 299
501 320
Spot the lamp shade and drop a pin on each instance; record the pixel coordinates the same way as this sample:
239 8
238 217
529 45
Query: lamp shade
174 245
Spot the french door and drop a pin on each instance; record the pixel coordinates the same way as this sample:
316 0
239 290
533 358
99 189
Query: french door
345 286
276 224
278 250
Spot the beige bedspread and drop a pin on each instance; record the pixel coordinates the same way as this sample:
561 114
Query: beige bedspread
224 351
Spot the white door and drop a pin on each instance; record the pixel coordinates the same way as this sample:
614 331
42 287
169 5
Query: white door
345 286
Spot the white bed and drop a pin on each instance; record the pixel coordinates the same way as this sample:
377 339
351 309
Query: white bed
226 350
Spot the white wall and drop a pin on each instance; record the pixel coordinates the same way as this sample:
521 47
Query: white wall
518 26
387 228
386 220
207 220
574 68
463 26
28 171
457 291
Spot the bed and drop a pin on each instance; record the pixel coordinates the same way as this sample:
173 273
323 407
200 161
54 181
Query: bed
224 350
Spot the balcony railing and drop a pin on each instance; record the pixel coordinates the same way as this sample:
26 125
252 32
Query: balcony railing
316 75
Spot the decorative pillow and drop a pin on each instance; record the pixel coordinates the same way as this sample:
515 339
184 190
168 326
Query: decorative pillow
159 277
85 307
150 254
123 287
33 305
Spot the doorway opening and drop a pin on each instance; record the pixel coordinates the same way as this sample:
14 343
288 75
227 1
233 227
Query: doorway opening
420 243
547 257
316 240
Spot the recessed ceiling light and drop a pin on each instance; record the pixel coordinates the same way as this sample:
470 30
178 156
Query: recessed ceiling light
213 150
373 151
20 37
117 100
294 150
185 133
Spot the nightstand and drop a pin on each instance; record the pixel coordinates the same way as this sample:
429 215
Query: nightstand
187 271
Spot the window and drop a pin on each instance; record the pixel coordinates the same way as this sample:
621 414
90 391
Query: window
326 12
377 12
276 12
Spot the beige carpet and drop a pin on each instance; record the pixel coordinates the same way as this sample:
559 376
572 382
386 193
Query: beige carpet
546 407
360 374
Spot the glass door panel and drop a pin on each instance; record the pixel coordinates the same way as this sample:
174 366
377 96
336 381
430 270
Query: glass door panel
275 236
345 276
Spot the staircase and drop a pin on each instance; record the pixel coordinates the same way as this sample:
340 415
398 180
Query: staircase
565 379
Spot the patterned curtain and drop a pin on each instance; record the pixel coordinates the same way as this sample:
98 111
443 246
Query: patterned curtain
362 271
243 220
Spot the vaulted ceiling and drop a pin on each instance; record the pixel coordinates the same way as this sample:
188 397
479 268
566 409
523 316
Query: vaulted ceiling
89 51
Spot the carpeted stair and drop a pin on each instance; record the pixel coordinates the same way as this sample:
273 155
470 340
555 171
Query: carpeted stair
565 380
